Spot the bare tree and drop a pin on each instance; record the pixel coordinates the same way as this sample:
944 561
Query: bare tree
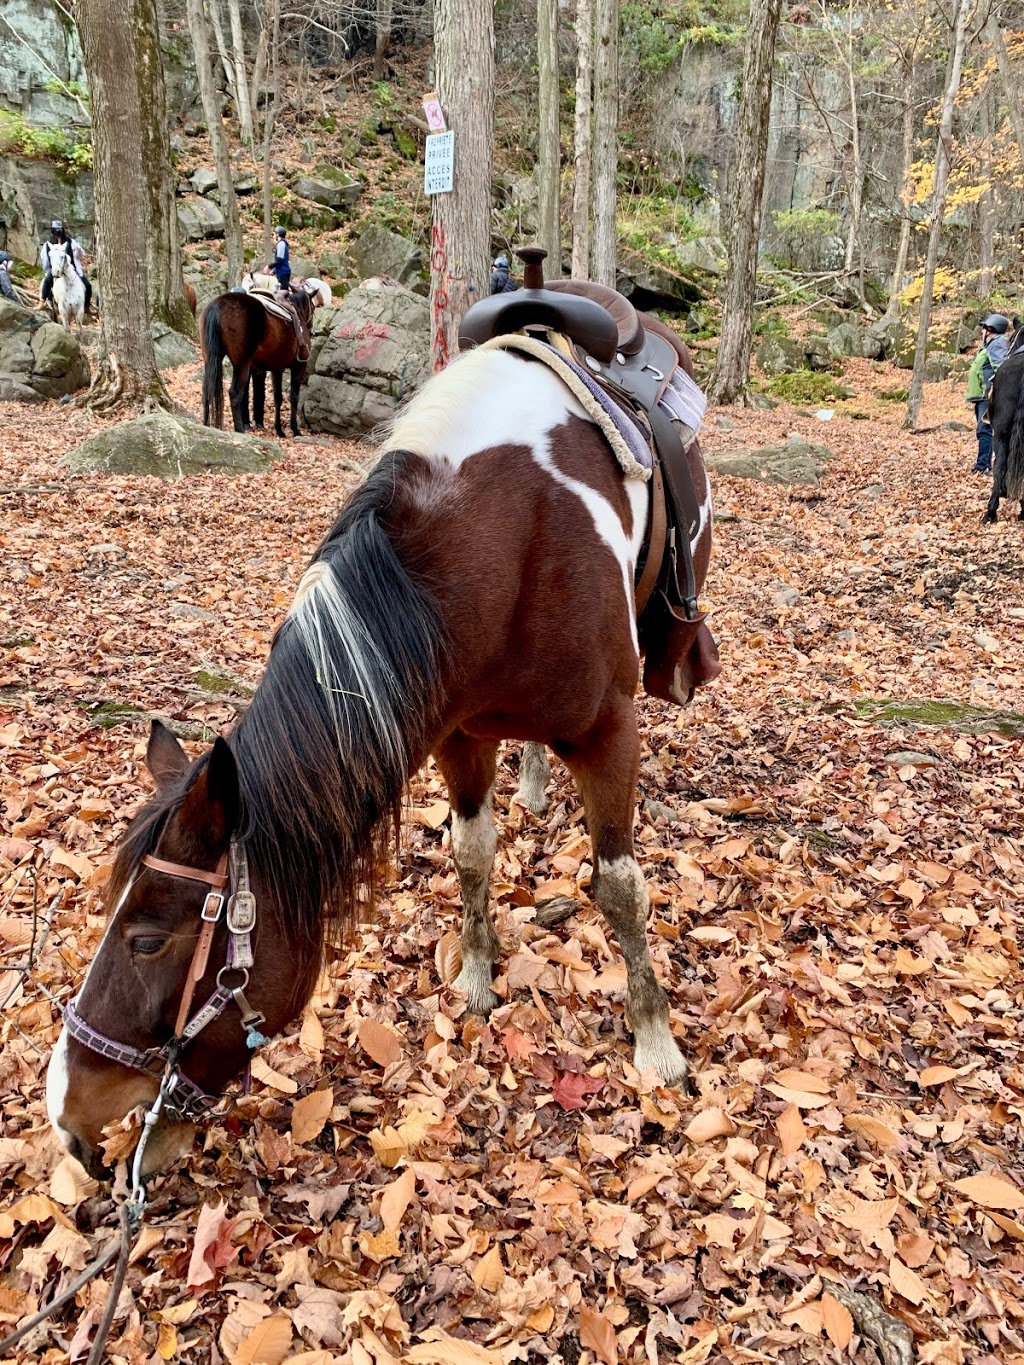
548 138
606 118
995 36
272 31
986 199
582 140
943 156
907 66
730 382
111 35
232 57
382 42
199 29
460 234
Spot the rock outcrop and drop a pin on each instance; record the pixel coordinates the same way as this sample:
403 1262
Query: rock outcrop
38 358
369 354
379 252
166 446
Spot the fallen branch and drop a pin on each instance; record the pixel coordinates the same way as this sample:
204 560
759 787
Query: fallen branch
891 1337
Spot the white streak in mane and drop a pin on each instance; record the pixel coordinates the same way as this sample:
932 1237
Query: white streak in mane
334 636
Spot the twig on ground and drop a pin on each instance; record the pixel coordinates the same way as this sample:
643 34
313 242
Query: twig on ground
892 1337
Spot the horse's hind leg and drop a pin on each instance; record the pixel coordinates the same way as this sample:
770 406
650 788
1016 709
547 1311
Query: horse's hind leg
239 395
293 397
606 766
277 378
534 775
259 395
468 767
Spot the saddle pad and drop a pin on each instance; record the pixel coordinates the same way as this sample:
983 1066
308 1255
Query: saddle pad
272 306
627 442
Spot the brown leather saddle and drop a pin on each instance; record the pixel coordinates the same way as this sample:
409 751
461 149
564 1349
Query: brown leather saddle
633 359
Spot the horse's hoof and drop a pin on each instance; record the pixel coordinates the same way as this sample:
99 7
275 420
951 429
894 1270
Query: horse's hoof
480 999
988 519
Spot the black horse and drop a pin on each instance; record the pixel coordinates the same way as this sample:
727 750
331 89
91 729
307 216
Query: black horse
1006 413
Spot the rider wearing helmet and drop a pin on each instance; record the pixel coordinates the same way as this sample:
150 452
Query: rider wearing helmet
501 280
58 237
994 347
280 265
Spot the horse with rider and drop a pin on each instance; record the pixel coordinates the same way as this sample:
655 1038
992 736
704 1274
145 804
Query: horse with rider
51 257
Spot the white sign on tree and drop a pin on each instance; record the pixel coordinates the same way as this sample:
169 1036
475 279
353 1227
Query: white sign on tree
439 165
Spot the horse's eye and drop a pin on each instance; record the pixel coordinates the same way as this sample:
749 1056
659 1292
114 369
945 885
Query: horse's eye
147 946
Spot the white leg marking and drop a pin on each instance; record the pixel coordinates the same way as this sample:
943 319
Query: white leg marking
534 775
474 841
473 844
57 1087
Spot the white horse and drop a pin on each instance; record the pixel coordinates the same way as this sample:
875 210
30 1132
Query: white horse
68 289
318 290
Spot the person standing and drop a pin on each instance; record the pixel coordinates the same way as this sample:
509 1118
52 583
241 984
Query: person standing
994 347
6 287
60 239
280 266
501 280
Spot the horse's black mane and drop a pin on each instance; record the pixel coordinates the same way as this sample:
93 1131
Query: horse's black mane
318 815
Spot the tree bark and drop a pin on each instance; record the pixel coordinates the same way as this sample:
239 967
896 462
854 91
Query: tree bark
273 24
163 254
582 139
906 165
126 375
199 29
606 118
986 201
940 183
242 103
382 42
995 36
460 234
855 239
730 382
548 137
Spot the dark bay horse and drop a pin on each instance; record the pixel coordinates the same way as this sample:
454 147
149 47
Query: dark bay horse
255 338
1006 413
478 586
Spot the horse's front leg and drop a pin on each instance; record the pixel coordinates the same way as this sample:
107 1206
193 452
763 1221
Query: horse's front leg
998 484
468 766
534 775
259 396
277 379
606 766
293 396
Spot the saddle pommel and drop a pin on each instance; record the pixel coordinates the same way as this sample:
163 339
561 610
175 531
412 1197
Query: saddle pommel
533 258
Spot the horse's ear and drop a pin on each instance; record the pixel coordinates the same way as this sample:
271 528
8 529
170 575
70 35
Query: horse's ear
165 758
212 806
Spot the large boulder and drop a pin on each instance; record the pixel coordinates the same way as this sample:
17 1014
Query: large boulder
328 186
171 347
705 254
898 341
204 181
199 219
38 358
797 462
170 447
780 355
32 193
850 339
369 354
650 287
377 251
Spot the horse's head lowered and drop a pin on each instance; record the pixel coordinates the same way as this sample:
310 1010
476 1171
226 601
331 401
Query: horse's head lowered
172 992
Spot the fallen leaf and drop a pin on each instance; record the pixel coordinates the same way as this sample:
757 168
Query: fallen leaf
266 1074
70 1183
432 816
571 1089
874 1130
310 1114
937 1075
709 1124
489 1273
396 1199
837 1321
212 1249
379 1041
907 1283
448 1350
792 1130
597 1334
991 1192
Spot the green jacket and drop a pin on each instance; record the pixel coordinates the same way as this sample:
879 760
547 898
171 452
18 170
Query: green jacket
983 367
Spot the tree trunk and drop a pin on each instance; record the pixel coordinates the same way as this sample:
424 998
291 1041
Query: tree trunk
163 254
941 180
855 239
995 36
582 139
730 382
906 188
241 84
460 234
110 35
273 23
214 121
548 137
382 43
986 201
606 117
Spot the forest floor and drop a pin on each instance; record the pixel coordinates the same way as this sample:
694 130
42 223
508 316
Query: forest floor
836 870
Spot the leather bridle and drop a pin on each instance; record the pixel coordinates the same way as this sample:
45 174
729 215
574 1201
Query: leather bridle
179 1095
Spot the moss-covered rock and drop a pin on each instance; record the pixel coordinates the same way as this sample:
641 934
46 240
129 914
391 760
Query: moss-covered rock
949 715
166 446
797 462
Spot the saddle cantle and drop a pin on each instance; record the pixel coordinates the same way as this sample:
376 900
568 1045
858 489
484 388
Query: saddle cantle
633 358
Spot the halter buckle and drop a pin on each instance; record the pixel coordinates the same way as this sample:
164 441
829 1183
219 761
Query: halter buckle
212 907
242 912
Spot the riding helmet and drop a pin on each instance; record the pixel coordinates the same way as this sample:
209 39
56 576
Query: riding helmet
56 226
501 260
279 232
995 322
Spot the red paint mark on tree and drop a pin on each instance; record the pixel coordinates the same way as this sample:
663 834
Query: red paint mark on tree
439 267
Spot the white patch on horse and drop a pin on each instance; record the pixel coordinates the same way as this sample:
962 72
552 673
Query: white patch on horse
482 400
706 519
475 840
57 1088
331 631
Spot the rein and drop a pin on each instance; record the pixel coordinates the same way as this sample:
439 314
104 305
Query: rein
179 1096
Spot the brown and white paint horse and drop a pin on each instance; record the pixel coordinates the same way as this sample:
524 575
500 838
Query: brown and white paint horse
477 587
